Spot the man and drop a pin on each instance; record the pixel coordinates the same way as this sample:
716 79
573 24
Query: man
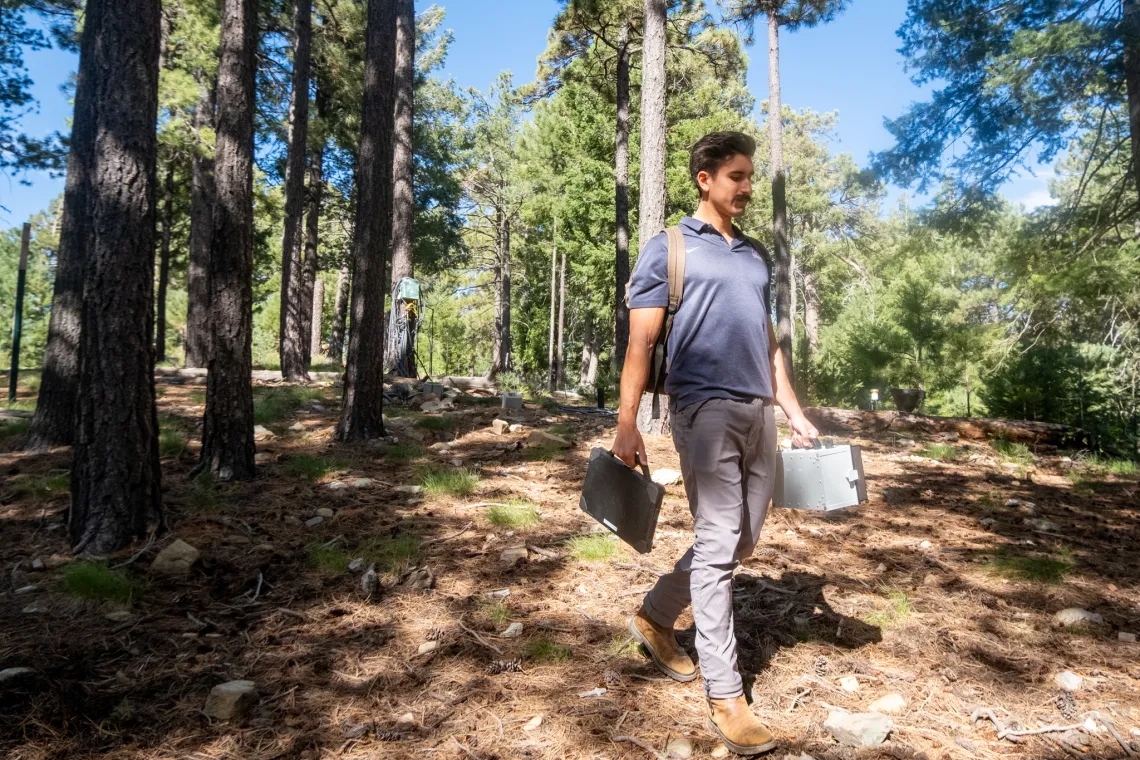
726 370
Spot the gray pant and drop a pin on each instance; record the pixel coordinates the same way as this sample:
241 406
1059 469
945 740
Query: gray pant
728 461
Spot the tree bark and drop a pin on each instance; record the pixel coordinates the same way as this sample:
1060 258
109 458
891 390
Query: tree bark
562 323
1131 35
505 344
317 312
53 423
227 431
811 312
164 265
363 407
651 218
497 334
312 235
551 367
402 352
115 476
201 230
292 340
781 253
340 314
588 370
621 201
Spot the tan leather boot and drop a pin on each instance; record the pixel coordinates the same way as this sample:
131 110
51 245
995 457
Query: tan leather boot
662 647
740 730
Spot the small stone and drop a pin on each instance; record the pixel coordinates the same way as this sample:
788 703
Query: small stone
719 751
533 723
1069 681
313 522
1012 502
502 593
966 744
317 407
513 631
679 748
926 546
666 477
408 489
908 443
1043 525
1076 616
262 433
849 683
858 729
175 559
238 539
891 704
431 406
356 565
429 646
500 426
987 522
292 520
801 756
25 589
457 462
11 676
541 438
517 428
1091 726
38 564
407 719
593 692
32 609
362 483
932 579
231 700
325 512
336 485
513 555
119 616
881 568
297 426
263 548
262 457
1124 636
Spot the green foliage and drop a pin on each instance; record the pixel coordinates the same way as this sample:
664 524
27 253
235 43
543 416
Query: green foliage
96 581
41 487
437 423
592 548
496 611
545 651
898 610
313 467
1018 453
389 553
332 560
12 428
1011 564
403 452
940 451
520 515
275 404
449 482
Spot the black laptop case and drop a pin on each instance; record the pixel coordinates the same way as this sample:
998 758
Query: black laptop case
625 501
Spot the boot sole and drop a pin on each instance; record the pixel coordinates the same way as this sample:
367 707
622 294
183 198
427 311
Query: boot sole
740 749
640 639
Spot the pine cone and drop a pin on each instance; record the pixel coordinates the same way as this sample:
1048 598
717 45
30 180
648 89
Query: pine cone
821 666
1066 704
436 634
504 666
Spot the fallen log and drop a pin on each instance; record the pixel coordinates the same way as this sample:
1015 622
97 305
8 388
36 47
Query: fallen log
859 422
464 383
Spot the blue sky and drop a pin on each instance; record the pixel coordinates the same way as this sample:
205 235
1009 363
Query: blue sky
851 66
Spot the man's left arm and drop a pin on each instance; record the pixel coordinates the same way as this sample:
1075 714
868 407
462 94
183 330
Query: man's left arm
803 432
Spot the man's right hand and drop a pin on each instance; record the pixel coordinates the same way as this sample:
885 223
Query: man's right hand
628 445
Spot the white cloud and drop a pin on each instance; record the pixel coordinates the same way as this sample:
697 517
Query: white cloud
1037 199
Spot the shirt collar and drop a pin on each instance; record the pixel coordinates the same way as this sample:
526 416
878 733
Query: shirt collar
699 227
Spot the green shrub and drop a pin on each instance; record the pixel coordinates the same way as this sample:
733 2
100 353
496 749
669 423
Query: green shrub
403 452
275 404
940 451
389 552
312 467
1030 568
513 516
449 482
328 559
1017 453
592 548
436 423
94 580
55 483
543 650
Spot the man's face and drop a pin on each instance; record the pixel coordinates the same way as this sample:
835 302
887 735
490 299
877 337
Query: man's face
730 189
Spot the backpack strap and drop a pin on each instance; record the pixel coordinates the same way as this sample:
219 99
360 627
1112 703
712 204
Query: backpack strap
676 272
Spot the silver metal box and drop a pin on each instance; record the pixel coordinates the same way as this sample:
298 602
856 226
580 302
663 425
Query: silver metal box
512 400
820 479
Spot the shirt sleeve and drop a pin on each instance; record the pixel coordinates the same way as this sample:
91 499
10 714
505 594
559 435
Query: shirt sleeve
649 283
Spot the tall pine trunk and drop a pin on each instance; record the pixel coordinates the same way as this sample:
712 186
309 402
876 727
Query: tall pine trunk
317 313
54 421
505 346
201 230
651 218
227 430
551 367
363 407
340 314
312 230
811 312
164 265
588 369
621 202
781 251
562 323
292 279
1131 34
115 476
403 201
497 334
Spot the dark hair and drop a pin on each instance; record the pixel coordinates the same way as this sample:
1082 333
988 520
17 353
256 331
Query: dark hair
716 149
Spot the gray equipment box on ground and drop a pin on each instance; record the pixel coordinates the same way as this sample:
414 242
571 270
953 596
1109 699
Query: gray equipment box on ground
820 479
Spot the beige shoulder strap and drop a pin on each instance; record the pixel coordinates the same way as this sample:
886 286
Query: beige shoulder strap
676 267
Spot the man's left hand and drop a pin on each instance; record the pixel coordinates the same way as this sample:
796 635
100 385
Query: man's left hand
803 432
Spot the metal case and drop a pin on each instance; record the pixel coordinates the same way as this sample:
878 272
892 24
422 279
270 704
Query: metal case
820 479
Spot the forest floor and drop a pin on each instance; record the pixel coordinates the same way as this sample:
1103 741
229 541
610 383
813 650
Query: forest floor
911 593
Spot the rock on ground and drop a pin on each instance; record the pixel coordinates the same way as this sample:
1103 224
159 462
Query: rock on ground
666 477
262 433
679 748
1069 681
12 676
543 438
1077 616
231 700
858 729
175 559
890 704
500 426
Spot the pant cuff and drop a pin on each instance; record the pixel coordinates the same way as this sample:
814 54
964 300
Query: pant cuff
725 693
655 615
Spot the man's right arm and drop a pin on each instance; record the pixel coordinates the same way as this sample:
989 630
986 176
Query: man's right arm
644 327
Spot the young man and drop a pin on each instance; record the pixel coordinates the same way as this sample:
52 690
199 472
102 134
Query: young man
726 370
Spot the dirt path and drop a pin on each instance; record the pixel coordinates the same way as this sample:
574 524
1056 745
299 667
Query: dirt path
911 594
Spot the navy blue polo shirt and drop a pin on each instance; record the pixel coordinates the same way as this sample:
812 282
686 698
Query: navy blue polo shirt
719 344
